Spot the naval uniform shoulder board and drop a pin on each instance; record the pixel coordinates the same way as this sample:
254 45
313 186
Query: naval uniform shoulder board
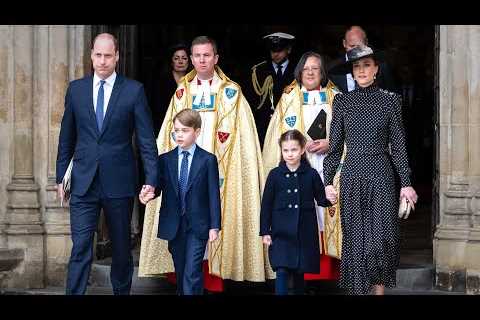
259 64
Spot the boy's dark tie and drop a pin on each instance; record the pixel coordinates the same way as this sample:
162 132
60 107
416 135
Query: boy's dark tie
182 183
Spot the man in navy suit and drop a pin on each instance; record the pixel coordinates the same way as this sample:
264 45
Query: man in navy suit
190 211
102 112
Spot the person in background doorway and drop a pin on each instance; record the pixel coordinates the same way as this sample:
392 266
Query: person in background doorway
165 83
356 36
269 78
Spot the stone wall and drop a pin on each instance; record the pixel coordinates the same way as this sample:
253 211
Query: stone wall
457 237
36 64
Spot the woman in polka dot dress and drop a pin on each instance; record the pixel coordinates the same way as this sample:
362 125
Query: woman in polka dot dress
368 121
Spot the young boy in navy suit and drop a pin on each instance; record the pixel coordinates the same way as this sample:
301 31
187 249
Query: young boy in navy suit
190 212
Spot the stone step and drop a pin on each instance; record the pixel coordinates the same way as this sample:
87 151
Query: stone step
415 277
401 292
416 270
102 291
136 291
409 277
10 258
100 278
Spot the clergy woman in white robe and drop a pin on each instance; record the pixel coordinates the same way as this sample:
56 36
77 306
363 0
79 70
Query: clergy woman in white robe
306 105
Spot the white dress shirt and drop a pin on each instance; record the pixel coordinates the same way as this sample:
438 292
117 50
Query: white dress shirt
350 80
284 66
107 90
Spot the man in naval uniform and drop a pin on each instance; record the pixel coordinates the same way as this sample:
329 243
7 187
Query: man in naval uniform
269 78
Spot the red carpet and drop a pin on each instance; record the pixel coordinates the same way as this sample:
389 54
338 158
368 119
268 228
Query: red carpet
329 268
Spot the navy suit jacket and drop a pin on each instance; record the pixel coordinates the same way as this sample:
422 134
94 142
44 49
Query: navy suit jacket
202 196
109 151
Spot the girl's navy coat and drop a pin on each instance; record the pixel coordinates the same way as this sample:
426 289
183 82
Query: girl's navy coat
288 215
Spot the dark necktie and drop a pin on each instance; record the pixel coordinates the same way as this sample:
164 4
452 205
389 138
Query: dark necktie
182 182
99 111
279 70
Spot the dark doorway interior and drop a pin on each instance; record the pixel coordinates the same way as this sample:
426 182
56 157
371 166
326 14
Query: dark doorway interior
409 51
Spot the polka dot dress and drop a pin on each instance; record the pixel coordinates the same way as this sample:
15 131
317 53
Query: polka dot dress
369 122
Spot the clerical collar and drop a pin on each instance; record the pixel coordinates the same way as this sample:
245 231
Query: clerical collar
199 82
319 88
315 89
204 91
313 97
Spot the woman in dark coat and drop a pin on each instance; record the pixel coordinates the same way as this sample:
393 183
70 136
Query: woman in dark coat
368 121
288 221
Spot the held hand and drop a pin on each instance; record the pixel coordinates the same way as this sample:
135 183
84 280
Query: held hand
331 194
267 239
410 194
320 146
145 196
212 235
309 145
149 188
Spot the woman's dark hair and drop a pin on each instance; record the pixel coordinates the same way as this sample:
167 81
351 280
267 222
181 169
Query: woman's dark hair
164 65
293 135
301 64
176 47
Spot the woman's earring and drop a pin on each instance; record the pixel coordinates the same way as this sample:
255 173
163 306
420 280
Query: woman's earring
374 77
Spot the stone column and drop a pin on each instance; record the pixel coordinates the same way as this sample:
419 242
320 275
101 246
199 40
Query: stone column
65 49
6 120
54 81
457 246
473 250
25 228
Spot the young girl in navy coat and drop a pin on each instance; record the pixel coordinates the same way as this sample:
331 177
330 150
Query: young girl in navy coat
288 222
